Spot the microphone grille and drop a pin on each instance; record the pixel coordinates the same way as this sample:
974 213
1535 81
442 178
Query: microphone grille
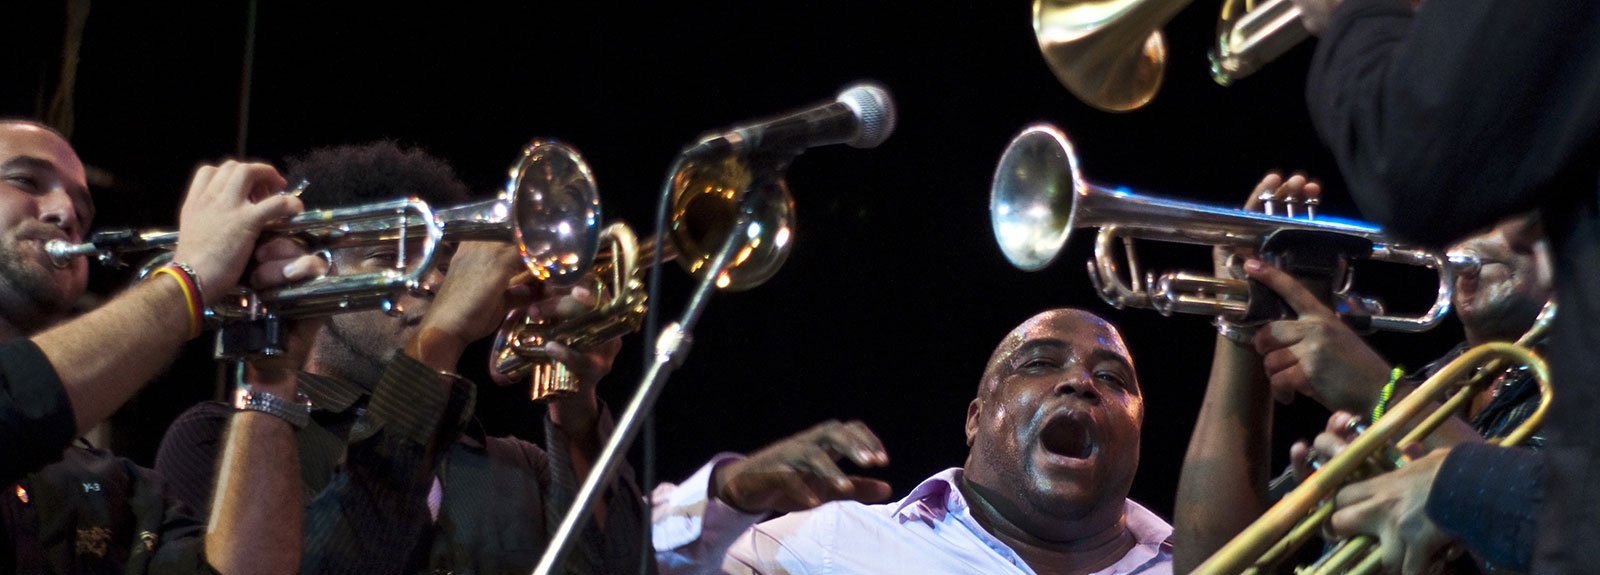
875 111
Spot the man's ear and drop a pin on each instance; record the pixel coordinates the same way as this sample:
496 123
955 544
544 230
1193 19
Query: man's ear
972 419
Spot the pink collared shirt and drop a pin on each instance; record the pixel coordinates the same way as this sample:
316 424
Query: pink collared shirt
930 531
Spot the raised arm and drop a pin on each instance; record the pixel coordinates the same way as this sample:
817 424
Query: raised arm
105 356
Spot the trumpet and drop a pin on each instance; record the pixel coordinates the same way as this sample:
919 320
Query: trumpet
1300 515
1112 55
1039 197
1250 35
704 209
549 209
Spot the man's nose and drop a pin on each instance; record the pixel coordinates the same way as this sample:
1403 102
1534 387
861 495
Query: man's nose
56 208
430 283
1080 383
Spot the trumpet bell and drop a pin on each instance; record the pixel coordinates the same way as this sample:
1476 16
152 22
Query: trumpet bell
1108 53
705 206
555 211
1033 202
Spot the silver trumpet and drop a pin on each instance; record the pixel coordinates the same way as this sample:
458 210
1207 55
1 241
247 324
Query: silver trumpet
549 208
406 222
1039 197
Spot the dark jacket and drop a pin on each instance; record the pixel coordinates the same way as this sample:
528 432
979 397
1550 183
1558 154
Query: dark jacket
369 460
94 513
1447 119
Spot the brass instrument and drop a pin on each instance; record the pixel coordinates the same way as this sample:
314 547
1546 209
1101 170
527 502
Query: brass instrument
1111 53
704 207
549 209
1039 197
1300 515
1251 34
1108 53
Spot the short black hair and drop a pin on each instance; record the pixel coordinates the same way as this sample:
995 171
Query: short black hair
358 174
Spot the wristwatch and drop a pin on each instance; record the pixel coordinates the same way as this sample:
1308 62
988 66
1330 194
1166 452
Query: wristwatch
297 412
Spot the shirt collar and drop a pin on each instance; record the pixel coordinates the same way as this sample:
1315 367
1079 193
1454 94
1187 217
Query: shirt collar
940 495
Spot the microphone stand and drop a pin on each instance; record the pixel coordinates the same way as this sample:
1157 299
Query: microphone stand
671 348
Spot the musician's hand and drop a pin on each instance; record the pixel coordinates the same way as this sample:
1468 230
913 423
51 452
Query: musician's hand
799 472
1393 507
1272 188
471 302
283 260
1328 444
279 261
1317 354
576 411
224 212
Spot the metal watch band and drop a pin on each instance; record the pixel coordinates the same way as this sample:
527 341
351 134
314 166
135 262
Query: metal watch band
1235 333
297 412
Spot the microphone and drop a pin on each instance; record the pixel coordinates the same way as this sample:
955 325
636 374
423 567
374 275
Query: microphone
862 116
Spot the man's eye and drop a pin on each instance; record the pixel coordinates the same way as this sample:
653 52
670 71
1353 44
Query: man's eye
384 258
1039 363
23 181
1111 377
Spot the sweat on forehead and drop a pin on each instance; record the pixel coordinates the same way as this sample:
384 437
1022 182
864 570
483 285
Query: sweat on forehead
1059 321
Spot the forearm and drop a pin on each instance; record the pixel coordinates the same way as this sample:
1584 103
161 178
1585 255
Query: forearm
106 355
1222 487
256 519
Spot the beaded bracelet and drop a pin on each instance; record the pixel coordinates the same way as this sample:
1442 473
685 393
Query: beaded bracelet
191 294
1387 393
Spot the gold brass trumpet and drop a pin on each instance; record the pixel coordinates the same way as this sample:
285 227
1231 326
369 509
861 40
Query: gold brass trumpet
1251 34
1111 53
1300 515
704 208
1039 197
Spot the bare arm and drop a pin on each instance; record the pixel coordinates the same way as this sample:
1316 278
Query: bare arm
1223 485
256 516
258 511
104 357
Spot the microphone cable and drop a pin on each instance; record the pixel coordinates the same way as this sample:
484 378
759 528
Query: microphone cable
647 474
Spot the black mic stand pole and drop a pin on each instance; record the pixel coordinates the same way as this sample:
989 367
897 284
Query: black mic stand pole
671 348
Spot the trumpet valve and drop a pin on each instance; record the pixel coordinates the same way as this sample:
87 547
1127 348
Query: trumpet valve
551 380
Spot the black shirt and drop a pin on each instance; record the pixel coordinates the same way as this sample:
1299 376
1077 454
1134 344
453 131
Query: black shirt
94 513
369 460
36 419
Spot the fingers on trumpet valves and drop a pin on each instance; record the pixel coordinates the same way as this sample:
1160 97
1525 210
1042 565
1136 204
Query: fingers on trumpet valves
1295 196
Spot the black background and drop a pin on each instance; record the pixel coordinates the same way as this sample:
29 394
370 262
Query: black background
895 292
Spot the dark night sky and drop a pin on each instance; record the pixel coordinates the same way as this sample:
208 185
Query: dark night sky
895 292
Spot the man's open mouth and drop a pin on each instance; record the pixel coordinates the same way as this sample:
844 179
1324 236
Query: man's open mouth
1067 434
